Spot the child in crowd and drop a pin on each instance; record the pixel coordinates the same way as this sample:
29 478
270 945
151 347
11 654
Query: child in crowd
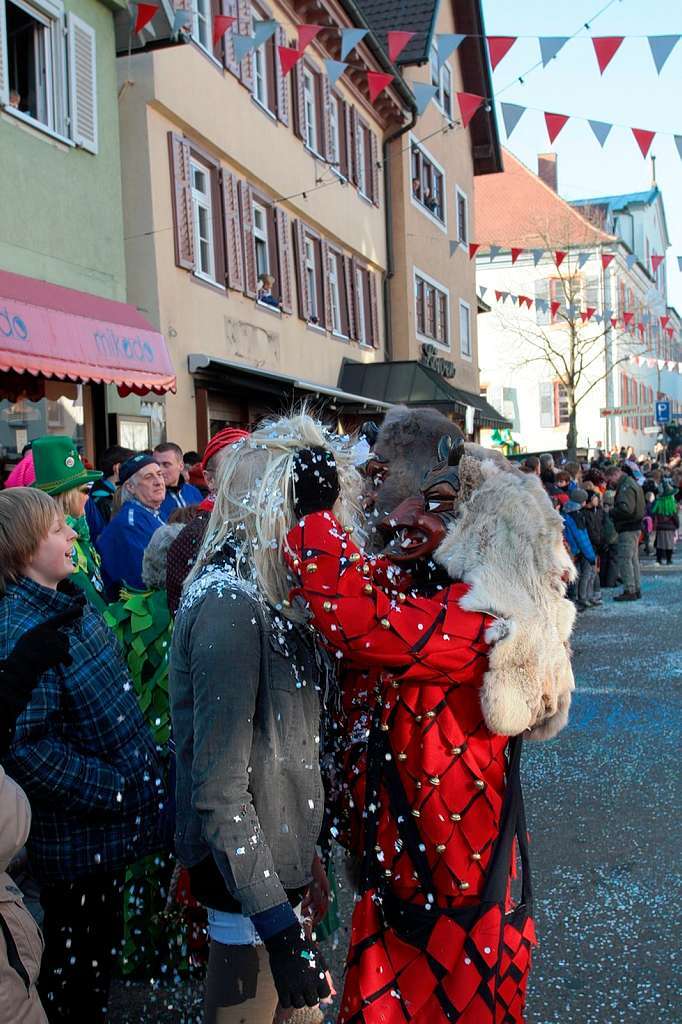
595 522
648 522
580 546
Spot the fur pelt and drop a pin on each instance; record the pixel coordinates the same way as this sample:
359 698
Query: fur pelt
507 544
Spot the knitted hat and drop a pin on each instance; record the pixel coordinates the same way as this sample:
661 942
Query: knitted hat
578 495
225 437
133 465
23 473
58 466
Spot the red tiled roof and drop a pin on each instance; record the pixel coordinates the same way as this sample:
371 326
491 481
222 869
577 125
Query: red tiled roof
516 208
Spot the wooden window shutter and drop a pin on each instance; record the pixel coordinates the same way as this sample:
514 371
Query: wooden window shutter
229 61
327 146
4 62
282 80
250 272
344 158
183 219
326 292
245 22
301 281
353 145
373 308
234 259
299 101
286 290
82 82
374 160
349 278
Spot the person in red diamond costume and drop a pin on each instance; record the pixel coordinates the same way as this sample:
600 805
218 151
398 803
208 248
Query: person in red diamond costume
430 942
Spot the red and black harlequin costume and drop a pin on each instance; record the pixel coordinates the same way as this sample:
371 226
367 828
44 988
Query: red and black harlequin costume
428 657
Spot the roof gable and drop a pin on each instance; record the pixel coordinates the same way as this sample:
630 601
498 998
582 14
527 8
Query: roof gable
416 16
516 208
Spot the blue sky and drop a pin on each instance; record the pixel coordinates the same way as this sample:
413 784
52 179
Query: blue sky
630 93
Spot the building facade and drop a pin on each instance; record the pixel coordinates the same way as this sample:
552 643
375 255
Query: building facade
255 217
624 341
61 235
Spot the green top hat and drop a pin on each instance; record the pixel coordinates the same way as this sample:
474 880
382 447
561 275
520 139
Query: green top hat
58 465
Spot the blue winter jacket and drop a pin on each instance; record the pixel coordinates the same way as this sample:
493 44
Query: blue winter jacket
122 545
575 532
81 749
180 497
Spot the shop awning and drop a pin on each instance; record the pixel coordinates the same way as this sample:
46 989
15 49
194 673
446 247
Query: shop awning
407 382
55 332
226 371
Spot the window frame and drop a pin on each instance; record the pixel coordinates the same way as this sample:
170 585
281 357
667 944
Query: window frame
261 235
334 284
51 16
460 194
311 272
361 170
440 290
196 162
425 155
205 18
311 75
464 305
437 79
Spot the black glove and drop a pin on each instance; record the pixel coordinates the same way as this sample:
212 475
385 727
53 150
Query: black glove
316 481
39 649
297 968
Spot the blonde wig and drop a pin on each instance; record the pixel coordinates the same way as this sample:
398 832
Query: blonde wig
253 509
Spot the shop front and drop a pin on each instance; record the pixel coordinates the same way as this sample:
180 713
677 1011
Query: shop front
74 363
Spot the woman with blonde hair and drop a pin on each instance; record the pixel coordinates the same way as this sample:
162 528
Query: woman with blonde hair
61 474
245 684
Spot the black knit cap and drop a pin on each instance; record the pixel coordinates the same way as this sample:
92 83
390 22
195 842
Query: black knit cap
133 465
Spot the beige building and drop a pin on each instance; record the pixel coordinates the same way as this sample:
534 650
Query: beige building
431 288
255 217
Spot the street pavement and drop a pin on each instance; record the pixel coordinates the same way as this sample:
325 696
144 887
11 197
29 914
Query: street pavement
604 810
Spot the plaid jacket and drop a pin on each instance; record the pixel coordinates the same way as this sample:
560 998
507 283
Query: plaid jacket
81 749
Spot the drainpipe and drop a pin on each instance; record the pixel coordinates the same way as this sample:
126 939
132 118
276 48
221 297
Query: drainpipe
388 216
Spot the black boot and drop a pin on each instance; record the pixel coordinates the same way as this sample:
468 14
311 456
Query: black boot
627 595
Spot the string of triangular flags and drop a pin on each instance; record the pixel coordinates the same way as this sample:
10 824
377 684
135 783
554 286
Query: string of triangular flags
625 322
661 364
558 255
605 48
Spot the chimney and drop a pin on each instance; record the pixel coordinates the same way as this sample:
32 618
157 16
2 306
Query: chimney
548 170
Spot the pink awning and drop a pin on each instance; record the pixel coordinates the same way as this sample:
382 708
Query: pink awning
50 331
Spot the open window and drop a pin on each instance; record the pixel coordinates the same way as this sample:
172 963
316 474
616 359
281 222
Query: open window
428 184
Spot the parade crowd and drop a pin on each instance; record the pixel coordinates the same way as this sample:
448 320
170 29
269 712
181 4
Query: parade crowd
214 667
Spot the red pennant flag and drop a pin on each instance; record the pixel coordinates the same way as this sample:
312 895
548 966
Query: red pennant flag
644 139
221 23
473 249
614 322
555 123
499 47
670 331
515 253
468 104
656 262
628 318
606 259
498 295
306 34
606 48
397 41
664 321
587 314
559 257
640 328
145 13
555 307
377 81
288 57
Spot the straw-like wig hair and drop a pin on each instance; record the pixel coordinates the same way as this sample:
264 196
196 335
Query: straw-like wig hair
26 515
253 509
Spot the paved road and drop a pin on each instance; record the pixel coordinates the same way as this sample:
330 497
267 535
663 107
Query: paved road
605 811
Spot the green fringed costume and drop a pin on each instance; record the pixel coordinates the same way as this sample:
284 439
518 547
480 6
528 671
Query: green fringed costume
87 574
152 945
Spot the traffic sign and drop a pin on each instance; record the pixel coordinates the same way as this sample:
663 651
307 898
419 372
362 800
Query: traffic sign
627 410
663 412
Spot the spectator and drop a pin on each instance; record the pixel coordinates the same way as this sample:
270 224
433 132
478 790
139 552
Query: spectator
666 524
595 521
184 549
648 528
265 295
122 543
627 515
98 510
547 471
531 464
608 563
23 473
81 752
575 473
578 541
179 493
62 475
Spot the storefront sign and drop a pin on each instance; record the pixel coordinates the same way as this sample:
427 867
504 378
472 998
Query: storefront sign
430 358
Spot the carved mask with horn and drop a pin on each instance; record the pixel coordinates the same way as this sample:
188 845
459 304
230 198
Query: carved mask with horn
418 525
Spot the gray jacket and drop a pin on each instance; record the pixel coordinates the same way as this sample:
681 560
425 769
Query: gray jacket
246 720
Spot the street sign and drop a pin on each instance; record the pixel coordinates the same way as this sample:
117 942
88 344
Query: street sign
663 412
628 410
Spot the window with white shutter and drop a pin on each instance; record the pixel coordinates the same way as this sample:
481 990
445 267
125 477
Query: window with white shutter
82 82
32 75
547 404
